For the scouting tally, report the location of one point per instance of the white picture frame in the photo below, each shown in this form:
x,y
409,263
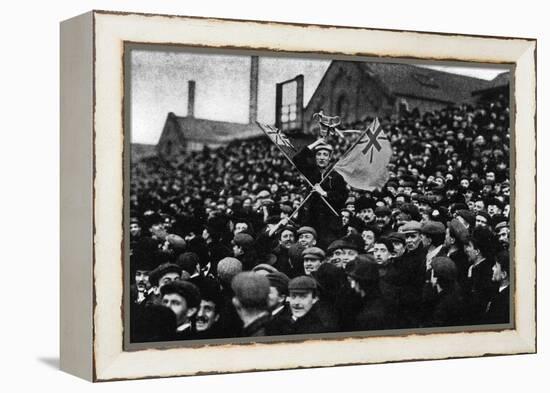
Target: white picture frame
x,y
92,194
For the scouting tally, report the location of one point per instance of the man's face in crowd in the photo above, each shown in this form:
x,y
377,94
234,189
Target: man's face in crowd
x,y
275,298
205,234
381,253
498,273
322,158
407,190
301,302
158,231
142,280
398,249
135,229
168,277
240,227
504,236
366,214
207,315
368,237
465,183
490,177
178,305
336,258
247,203
481,221
345,217
479,206
426,240
348,255
412,240
287,238
449,240
311,265
307,239
351,207
471,252
493,210
383,220
237,250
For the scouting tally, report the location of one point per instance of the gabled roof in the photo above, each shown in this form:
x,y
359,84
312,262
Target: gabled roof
x,y
205,130
410,80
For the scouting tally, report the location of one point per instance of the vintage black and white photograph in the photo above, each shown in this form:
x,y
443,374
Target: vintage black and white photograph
x,y
282,195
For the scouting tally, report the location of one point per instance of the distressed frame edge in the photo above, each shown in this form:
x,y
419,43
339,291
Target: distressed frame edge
x,y
526,338
76,206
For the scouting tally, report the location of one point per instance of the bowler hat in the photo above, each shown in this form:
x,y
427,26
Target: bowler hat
x,y
185,289
162,270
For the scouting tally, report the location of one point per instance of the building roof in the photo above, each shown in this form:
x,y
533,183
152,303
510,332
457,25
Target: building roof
x,y
500,81
205,130
414,81
142,150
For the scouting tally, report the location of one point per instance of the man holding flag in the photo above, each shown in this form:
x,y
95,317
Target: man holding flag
x,y
314,161
363,166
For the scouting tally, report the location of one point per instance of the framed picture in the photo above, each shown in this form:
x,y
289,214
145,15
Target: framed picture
x,y
243,195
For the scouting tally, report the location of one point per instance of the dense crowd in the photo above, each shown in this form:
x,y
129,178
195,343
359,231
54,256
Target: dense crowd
x,y
218,249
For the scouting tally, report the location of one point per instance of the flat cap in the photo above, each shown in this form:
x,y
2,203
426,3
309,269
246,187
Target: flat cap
x,y
280,281
251,289
177,242
458,230
228,268
396,237
313,252
311,230
432,228
468,216
323,146
500,225
264,267
243,240
302,284
185,289
410,226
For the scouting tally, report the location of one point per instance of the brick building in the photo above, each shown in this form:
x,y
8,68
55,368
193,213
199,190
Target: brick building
x,y
355,90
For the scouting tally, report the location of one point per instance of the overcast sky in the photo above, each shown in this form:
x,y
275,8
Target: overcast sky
x,y
159,81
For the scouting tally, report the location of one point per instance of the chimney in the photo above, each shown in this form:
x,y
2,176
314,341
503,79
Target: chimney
x,y
191,99
253,104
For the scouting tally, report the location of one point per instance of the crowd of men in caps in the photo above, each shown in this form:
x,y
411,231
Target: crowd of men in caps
x,y
216,251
